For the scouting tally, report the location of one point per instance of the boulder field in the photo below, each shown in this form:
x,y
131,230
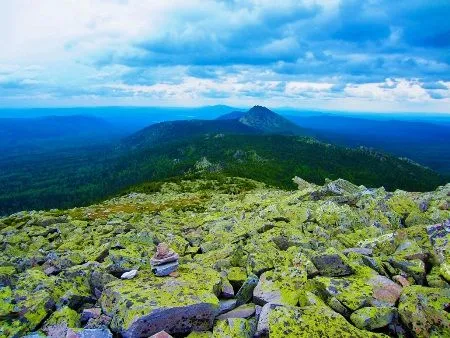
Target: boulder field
x,y
337,260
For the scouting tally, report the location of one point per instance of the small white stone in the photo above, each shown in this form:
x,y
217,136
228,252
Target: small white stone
x,y
129,274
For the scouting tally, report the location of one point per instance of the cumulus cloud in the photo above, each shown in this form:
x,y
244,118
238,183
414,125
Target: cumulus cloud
x,y
287,52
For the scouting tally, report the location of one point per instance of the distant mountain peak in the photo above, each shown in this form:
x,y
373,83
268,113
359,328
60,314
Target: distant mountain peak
x,y
264,119
259,108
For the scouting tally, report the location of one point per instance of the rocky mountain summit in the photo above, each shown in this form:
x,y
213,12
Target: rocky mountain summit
x,y
337,260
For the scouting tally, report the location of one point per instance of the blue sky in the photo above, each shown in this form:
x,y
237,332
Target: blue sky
x,y
364,55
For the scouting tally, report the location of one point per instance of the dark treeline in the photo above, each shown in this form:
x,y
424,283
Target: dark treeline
x,y
81,176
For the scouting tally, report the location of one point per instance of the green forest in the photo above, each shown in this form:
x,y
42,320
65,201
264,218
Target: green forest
x,y
76,177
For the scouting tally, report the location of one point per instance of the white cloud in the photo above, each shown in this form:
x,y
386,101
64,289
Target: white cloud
x,y
54,47
390,90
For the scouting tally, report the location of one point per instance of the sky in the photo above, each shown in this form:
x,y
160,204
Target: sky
x,y
356,55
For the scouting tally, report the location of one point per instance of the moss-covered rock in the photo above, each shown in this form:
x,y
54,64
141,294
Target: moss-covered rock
x,y
234,328
282,285
148,304
425,311
371,318
365,288
59,321
312,322
61,259
245,293
332,263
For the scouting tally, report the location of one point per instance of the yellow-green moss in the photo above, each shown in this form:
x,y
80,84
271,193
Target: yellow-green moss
x,y
234,328
66,316
312,322
127,300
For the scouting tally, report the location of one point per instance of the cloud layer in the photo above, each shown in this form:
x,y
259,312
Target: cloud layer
x,y
377,55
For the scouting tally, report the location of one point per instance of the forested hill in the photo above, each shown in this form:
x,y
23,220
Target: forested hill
x,y
22,136
79,178
257,120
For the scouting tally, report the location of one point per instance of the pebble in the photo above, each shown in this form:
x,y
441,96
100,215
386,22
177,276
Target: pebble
x,y
129,275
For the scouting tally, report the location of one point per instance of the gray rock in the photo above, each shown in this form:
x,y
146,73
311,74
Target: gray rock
x,y
169,259
89,333
226,305
165,269
161,334
342,187
227,289
362,251
332,265
245,293
98,323
414,268
90,313
243,311
424,205
262,329
438,236
265,292
258,309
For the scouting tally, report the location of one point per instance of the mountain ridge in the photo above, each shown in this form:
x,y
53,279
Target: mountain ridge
x,y
256,120
267,121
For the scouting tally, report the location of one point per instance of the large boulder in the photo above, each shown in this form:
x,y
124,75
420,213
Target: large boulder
x,y
364,288
424,311
147,304
282,285
60,321
312,321
371,318
332,263
25,307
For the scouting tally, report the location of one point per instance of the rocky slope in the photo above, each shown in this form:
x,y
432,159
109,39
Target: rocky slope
x,y
324,261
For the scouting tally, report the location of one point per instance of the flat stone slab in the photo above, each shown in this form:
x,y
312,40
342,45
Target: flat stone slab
x,y
243,311
226,305
165,260
165,269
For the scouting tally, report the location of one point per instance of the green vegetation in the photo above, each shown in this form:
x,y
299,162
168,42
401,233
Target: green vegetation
x,y
334,260
82,176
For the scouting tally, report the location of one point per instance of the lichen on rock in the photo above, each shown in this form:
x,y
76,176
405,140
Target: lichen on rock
x,y
332,260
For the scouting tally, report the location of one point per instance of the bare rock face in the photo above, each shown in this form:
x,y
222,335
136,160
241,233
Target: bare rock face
x,y
147,304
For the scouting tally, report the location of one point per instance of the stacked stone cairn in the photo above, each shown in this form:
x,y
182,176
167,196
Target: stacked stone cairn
x,y
164,261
